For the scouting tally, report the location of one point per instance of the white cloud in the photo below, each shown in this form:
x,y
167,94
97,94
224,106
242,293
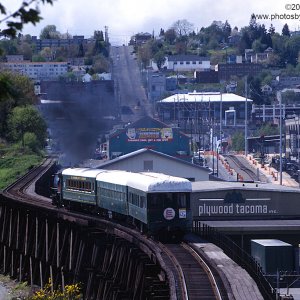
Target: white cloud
x,y
126,17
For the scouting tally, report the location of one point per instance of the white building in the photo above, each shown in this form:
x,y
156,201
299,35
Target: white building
x,y
37,70
184,63
187,63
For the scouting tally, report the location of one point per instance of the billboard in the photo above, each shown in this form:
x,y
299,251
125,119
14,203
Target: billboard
x,y
149,134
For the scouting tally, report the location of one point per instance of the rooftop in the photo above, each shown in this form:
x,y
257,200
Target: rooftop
x,y
205,97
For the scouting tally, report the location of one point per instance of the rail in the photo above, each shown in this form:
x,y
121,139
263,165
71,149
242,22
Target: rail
x,y
243,169
237,254
195,279
176,265
207,270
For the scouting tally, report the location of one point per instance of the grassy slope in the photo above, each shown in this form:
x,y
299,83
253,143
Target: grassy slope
x,y
15,163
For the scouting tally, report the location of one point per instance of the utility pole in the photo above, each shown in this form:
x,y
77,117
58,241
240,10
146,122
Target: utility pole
x,y
280,133
221,119
246,118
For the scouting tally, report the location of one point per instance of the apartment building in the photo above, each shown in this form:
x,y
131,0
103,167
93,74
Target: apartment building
x,y
37,70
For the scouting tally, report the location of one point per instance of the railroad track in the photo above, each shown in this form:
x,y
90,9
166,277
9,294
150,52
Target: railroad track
x,y
20,190
190,277
194,279
245,172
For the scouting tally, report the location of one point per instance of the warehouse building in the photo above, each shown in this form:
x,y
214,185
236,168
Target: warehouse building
x,y
147,160
205,108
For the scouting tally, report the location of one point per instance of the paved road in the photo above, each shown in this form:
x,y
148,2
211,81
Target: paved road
x,y
128,85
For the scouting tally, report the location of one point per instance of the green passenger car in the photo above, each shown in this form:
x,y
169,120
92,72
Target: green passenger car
x,y
79,186
112,192
160,202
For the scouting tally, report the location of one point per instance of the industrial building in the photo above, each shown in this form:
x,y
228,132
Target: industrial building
x,y
292,129
204,108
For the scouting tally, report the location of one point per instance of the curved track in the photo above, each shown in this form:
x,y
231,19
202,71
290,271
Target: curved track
x,y
189,276
194,278
22,189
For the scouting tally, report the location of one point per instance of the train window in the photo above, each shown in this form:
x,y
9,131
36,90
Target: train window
x,y
142,201
168,200
155,201
181,200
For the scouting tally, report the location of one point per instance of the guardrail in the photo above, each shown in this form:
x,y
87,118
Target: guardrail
x,y
238,255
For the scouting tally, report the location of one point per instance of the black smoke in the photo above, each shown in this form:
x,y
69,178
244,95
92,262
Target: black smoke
x,y
77,116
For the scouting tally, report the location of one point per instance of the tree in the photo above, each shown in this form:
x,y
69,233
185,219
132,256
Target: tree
x,y
161,32
271,30
23,15
98,35
226,30
286,30
183,27
15,89
144,55
292,50
255,90
170,36
267,129
100,64
159,58
50,32
238,141
24,120
80,51
245,42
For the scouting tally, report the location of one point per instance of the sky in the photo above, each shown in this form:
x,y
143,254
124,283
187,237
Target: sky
x,y
125,18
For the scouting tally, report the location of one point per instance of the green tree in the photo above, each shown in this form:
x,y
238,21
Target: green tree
x,y
238,141
100,64
24,120
267,129
80,51
15,89
9,47
28,12
170,36
49,32
30,141
286,30
159,58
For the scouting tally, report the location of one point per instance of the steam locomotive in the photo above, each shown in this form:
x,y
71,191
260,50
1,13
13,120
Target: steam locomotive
x,y
157,204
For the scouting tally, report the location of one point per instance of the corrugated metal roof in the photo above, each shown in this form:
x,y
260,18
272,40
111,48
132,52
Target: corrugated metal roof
x,y
204,97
